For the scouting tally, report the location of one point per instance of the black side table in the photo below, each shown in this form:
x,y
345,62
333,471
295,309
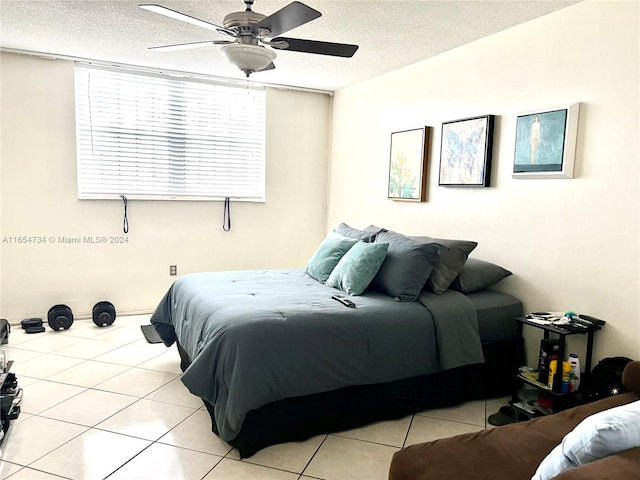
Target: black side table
x,y
558,399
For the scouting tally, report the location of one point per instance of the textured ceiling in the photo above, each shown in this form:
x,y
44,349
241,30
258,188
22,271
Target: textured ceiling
x,y
391,33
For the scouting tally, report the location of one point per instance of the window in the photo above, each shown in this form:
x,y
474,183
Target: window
x,y
153,136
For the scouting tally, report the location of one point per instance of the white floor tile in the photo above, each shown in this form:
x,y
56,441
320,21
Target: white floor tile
x,y
229,469
157,347
87,348
164,461
133,320
19,355
18,336
83,328
129,355
88,373
92,455
7,469
136,381
121,335
342,458
41,395
168,361
89,407
426,429
195,433
146,419
47,342
31,474
175,392
470,412
390,432
35,437
291,457
44,366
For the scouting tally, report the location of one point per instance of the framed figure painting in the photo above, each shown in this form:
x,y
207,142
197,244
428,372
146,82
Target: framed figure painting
x,y
545,143
408,165
465,152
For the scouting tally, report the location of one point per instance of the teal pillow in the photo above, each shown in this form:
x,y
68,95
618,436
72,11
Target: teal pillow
x,y
327,255
356,269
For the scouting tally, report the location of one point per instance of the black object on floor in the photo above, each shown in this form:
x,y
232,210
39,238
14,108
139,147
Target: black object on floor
x,y
150,334
505,415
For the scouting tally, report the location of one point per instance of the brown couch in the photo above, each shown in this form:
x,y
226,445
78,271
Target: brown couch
x,y
513,452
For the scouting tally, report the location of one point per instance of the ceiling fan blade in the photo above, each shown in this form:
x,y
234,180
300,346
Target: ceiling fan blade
x,y
271,66
288,18
313,46
167,12
186,46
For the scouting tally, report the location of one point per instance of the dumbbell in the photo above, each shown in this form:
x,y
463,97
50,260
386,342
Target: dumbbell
x,y
60,317
104,313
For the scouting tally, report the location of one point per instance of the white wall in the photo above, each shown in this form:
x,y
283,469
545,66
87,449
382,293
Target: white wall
x,y
572,244
39,198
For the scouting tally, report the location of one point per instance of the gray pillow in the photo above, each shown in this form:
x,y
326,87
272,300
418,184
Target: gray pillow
x,y
374,229
450,262
347,231
407,266
327,255
356,269
477,275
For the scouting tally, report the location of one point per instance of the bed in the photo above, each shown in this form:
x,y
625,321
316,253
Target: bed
x,y
275,358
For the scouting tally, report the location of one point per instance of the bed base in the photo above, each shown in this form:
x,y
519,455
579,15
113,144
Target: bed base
x,y
299,418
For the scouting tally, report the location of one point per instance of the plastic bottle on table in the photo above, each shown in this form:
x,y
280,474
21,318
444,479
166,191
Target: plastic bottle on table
x,y
574,382
553,364
566,376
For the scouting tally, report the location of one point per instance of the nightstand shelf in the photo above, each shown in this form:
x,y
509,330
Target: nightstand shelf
x,y
559,401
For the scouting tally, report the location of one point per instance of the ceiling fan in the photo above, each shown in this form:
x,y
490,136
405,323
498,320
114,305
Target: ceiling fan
x,y
252,31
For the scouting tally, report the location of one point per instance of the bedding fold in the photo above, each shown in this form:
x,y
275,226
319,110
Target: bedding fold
x,y
457,331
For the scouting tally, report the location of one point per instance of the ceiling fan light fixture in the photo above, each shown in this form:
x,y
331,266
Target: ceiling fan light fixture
x,y
248,58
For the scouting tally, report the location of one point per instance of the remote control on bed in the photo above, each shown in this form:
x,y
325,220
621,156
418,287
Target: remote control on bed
x,y
343,300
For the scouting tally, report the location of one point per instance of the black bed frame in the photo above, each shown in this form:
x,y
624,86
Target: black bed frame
x,y
299,418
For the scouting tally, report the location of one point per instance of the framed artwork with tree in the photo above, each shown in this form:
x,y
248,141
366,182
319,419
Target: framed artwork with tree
x,y
408,165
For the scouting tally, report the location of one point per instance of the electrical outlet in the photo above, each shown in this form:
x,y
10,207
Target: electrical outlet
x,y
173,270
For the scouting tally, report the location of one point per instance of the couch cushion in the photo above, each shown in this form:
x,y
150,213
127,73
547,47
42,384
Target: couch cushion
x,y
504,453
599,435
631,376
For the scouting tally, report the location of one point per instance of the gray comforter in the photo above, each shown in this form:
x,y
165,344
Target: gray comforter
x,y
255,337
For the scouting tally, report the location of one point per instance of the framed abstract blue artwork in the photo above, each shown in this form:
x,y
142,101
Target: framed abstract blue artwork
x,y
465,152
545,143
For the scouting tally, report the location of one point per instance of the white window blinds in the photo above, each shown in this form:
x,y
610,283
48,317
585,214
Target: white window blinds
x,y
152,136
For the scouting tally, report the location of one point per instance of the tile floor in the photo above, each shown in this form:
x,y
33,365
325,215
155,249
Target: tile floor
x,y
103,403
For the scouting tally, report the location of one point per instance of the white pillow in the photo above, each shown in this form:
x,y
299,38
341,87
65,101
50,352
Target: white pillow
x,y
553,464
603,434
597,436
